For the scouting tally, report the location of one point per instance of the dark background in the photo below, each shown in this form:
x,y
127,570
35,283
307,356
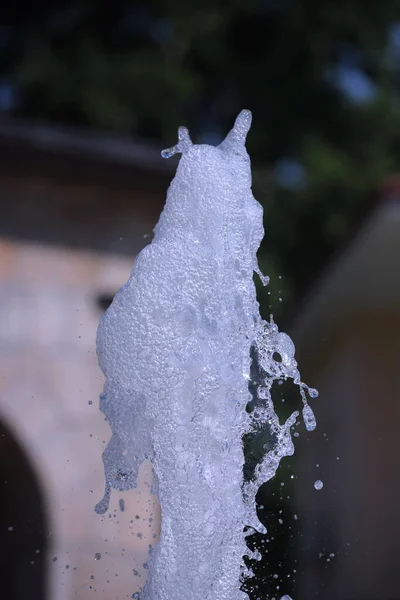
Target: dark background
x,y
321,77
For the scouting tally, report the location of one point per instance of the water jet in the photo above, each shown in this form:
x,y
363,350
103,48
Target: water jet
x,y
177,347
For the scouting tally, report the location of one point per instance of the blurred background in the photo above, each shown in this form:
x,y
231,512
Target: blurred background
x,y
90,91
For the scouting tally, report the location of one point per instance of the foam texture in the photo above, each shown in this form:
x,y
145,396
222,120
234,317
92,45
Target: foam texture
x,y
175,349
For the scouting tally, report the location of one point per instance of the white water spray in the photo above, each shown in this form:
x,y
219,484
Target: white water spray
x,y
175,349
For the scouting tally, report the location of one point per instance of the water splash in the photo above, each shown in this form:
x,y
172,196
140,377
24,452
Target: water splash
x,y
177,347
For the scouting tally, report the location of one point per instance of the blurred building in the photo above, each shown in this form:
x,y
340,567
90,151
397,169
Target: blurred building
x,y
75,209
348,345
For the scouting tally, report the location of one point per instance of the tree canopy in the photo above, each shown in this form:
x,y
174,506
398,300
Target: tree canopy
x,y
321,77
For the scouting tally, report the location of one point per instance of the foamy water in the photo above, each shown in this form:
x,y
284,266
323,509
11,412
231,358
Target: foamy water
x,y
175,349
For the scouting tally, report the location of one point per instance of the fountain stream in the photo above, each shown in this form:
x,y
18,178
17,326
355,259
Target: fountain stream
x,y
175,347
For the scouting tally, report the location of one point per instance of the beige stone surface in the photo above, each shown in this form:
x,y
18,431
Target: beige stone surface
x,y
353,451
49,388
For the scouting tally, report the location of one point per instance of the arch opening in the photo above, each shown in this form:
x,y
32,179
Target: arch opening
x,y
22,524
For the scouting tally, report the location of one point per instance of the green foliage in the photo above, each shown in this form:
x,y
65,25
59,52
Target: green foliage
x,y
146,67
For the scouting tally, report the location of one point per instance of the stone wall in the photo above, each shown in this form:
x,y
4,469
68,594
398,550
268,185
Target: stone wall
x,y
49,388
353,451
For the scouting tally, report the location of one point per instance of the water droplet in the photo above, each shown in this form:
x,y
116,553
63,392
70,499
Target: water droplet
x,y
183,133
168,152
309,418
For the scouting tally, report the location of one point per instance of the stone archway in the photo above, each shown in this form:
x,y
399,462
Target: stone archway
x,y
22,524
